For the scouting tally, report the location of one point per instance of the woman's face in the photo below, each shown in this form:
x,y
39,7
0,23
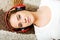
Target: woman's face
x,y
21,19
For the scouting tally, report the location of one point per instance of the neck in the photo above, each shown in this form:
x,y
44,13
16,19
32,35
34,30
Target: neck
x,y
36,18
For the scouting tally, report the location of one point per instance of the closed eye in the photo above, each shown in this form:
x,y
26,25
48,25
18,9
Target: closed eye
x,y
20,25
18,17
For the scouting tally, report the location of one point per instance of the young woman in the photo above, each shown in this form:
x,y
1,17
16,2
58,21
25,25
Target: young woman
x,y
45,20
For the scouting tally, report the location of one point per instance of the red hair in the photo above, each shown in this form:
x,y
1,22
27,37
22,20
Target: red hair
x,y
7,17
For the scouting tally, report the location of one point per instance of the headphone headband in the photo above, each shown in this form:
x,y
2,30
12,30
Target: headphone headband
x,y
18,7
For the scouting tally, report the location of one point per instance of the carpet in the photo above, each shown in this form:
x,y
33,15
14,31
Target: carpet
x,y
6,35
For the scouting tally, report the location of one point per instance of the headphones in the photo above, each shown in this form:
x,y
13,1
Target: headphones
x,y
17,8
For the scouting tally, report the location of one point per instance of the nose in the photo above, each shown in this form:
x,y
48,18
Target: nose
x,y
24,20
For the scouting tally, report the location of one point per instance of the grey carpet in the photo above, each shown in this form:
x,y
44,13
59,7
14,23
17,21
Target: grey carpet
x,y
5,35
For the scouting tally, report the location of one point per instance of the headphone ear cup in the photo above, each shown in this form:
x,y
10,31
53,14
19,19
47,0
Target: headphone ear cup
x,y
20,8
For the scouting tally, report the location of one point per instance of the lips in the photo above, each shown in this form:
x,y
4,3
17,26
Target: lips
x,y
28,20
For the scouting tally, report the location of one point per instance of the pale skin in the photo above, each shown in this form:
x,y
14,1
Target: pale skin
x,y
25,18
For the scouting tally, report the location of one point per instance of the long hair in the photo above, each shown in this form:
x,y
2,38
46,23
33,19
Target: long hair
x,y
8,25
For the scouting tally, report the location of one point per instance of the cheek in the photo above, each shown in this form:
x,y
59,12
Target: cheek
x,y
23,16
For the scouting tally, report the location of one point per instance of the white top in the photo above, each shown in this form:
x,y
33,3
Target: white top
x,y
52,29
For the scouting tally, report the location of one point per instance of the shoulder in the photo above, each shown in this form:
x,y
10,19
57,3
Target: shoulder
x,y
44,9
45,15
